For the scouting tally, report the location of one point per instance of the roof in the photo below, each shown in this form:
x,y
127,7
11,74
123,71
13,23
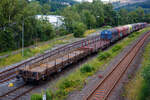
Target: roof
x,y
55,20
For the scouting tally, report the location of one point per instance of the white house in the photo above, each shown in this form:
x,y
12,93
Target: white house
x,y
55,20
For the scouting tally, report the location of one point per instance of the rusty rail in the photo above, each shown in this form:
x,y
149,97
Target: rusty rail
x,y
12,71
105,87
17,92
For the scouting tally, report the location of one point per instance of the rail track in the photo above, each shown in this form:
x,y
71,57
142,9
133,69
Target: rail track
x,y
11,72
17,92
105,87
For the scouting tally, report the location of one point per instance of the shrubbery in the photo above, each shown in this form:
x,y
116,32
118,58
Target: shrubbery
x,y
103,55
60,93
66,84
62,32
49,95
79,29
116,48
146,73
131,36
36,97
145,90
86,68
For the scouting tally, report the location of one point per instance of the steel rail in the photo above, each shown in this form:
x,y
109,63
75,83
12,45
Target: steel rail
x,y
67,47
12,91
108,88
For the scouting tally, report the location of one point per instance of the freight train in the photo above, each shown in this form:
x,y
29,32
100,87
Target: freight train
x,y
56,60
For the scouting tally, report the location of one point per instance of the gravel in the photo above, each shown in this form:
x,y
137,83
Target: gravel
x,y
118,92
93,80
76,95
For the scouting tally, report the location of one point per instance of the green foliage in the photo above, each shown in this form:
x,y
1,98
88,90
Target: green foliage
x,y
146,73
133,6
77,79
131,36
66,84
103,55
49,95
97,14
7,40
36,97
88,19
116,48
57,4
12,18
145,90
60,93
77,18
86,68
27,52
62,32
79,29
123,18
46,9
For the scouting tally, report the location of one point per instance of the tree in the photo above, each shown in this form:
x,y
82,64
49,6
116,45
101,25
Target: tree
x,y
147,18
88,19
133,17
7,40
98,11
79,29
140,14
123,17
13,13
109,15
46,9
70,17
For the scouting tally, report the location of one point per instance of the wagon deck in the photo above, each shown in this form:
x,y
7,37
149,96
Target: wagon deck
x,y
50,63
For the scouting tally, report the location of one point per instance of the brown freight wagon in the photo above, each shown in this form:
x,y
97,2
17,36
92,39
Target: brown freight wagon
x,y
60,58
42,69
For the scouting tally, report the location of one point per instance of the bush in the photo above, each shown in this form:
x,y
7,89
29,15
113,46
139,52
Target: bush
x,y
116,48
62,32
131,36
27,52
60,93
79,29
103,55
49,95
106,27
86,68
145,91
36,97
66,84
146,73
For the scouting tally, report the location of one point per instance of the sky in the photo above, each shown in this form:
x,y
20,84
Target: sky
x,y
91,0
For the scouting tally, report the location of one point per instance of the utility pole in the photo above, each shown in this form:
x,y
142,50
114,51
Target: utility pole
x,y
23,37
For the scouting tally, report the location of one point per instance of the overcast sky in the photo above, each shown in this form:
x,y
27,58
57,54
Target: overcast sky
x,y
91,0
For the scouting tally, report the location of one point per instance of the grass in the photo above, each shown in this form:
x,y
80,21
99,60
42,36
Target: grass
x,y
137,87
88,32
77,79
29,52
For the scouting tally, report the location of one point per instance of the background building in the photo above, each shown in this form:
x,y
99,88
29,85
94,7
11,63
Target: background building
x,y
55,20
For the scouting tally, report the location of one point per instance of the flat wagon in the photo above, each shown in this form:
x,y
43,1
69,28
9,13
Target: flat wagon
x,y
59,58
